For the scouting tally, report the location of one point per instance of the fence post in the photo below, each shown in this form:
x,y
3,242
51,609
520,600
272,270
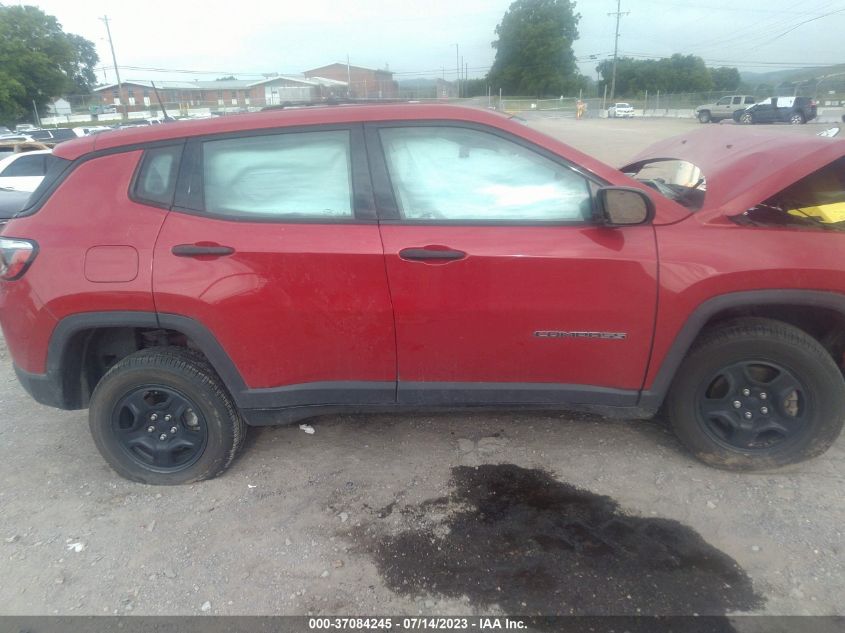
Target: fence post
x,y
645,103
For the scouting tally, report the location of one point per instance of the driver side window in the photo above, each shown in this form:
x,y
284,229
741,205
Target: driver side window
x,y
461,174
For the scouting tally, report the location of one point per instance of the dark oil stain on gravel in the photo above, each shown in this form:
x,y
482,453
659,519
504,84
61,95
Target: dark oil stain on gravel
x,y
519,539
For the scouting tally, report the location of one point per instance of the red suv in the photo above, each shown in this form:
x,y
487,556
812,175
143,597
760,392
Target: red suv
x,y
186,280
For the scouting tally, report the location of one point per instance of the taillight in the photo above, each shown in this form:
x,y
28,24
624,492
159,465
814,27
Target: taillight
x,y
15,257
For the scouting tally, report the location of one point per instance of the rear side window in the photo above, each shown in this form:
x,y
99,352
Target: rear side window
x,y
292,175
749,100
26,166
156,179
737,100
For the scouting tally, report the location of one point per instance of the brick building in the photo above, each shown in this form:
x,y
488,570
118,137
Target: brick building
x,y
230,93
364,83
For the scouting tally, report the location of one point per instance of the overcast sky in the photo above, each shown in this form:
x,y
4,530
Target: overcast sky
x,y
417,37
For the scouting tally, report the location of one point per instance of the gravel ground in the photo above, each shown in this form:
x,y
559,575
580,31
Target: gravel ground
x,y
432,514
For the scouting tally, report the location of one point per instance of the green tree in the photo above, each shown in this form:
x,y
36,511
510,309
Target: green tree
x,y
226,78
679,73
39,61
534,53
725,78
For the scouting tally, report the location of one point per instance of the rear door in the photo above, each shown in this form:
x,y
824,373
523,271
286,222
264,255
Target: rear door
x,y
273,246
766,111
504,290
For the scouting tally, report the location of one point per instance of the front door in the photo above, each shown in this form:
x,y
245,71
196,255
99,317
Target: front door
x,y
504,289
274,248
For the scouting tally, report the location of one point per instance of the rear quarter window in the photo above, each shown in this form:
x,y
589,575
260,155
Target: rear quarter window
x,y
156,179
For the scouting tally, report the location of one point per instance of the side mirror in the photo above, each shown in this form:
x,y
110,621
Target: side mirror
x,y
623,206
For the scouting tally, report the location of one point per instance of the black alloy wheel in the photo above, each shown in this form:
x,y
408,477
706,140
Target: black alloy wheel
x,y
753,405
755,393
160,428
163,416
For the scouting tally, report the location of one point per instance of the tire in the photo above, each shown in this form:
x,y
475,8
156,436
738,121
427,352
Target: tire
x,y
797,119
162,416
779,375
704,116
746,118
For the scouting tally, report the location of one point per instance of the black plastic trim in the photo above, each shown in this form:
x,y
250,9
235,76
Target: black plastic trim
x,y
421,254
653,397
45,389
509,393
340,393
196,250
291,415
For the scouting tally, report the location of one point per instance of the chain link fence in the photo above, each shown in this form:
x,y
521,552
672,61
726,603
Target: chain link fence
x,y
91,109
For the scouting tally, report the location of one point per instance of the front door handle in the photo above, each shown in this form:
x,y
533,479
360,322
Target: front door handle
x,y
431,253
201,250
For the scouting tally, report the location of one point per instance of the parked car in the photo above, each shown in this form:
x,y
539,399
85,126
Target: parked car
x,y
793,110
185,281
23,171
620,110
724,108
54,136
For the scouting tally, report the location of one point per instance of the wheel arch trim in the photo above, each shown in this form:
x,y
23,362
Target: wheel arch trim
x,y
60,340
652,397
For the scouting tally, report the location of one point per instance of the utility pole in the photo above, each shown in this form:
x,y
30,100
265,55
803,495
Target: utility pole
x,y
618,13
105,19
458,69
348,78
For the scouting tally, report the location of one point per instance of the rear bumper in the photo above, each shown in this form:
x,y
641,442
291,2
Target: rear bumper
x,y
45,389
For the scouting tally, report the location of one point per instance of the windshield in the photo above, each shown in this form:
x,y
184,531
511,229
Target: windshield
x,y
678,180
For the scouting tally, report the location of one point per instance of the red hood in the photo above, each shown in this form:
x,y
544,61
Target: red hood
x,y
744,167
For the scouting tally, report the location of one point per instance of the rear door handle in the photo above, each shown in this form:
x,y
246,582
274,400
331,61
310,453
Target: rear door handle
x,y
200,250
429,253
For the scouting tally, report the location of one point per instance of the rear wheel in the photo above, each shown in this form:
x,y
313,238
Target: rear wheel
x,y
756,394
704,116
162,416
797,119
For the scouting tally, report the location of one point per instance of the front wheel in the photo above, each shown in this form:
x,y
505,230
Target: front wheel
x,y
162,416
756,394
704,117
746,119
